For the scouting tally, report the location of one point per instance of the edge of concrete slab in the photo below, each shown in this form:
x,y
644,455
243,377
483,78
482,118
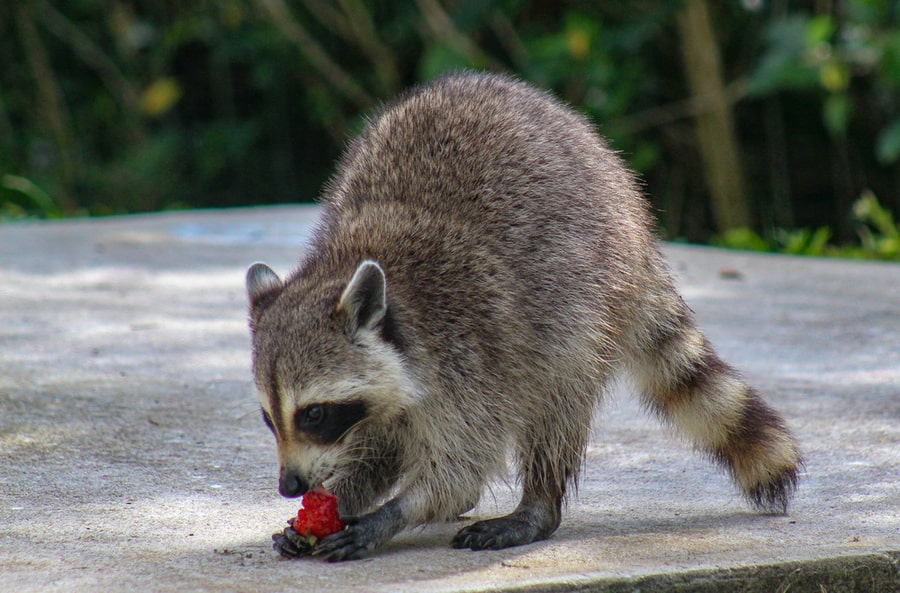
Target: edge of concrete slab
x,y
864,573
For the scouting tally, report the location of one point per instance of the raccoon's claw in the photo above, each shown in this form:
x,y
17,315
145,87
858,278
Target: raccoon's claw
x,y
290,544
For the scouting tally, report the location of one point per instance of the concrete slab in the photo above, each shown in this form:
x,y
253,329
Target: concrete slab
x,y
132,456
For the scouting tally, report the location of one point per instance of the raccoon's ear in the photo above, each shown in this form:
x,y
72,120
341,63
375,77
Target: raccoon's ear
x,y
262,284
364,302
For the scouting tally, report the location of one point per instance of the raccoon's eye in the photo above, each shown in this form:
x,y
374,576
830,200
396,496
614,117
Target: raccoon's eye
x,y
311,416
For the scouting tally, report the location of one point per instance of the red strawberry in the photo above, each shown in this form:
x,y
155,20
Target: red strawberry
x,y
318,515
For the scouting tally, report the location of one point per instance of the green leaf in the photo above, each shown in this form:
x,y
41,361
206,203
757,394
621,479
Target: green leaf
x,y
870,12
783,66
836,113
834,76
742,238
818,243
887,145
30,190
819,29
793,242
869,210
890,60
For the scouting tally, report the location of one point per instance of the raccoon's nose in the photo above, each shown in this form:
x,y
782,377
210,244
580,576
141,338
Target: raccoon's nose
x,y
291,485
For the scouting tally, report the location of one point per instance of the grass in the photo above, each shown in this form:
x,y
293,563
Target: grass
x,y
877,232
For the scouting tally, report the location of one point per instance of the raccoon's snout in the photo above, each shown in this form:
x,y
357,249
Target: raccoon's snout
x,y
292,485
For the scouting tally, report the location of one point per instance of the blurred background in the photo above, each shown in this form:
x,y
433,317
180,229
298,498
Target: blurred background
x,y
763,124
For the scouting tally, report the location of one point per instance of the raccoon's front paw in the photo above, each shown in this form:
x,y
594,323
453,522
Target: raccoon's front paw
x,y
361,535
355,541
291,544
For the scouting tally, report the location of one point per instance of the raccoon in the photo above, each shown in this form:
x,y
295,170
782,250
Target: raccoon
x,y
483,267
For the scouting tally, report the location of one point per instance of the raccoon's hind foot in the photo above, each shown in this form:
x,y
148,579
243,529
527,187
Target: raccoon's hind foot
x,y
524,525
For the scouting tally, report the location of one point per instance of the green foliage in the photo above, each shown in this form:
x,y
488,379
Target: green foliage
x,y
130,107
785,64
803,241
878,232
21,197
888,143
822,54
115,107
878,235
742,238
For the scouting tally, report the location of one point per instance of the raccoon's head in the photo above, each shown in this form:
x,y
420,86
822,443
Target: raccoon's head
x,y
329,375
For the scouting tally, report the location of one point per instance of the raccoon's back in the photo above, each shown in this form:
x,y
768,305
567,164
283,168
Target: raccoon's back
x,y
501,219
507,165
464,142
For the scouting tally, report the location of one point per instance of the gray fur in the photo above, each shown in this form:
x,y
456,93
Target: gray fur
x,y
364,300
516,272
261,279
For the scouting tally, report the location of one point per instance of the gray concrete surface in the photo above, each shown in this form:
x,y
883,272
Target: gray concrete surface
x,y
133,458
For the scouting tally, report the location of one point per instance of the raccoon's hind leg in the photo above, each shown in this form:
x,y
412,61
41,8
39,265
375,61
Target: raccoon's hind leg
x,y
682,378
549,456
535,518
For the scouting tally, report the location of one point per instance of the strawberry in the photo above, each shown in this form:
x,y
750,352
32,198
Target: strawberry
x,y
318,515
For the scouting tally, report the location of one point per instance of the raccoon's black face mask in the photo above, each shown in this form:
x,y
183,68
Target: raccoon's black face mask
x,y
326,423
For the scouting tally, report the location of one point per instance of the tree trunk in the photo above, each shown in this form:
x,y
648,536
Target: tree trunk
x,y
716,138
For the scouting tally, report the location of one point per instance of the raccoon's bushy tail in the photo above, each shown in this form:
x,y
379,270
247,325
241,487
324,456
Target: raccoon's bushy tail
x,y
682,378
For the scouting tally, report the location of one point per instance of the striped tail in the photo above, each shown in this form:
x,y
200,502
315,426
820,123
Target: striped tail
x,y
682,378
